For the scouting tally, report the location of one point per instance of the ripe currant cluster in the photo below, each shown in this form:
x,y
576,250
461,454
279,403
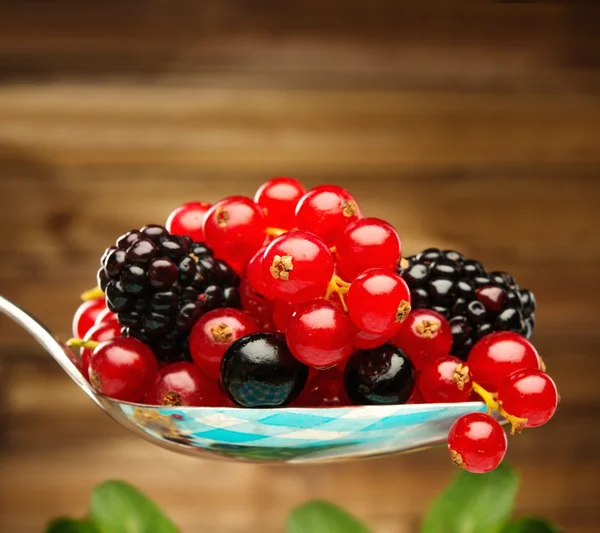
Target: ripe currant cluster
x,y
294,298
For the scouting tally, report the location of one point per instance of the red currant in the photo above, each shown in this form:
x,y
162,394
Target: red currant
x,y
326,211
446,379
425,335
477,443
235,229
86,315
378,300
278,198
106,316
97,333
297,267
529,394
364,340
326,389
184,384
123,368
254,274
367,243
416,397
496,356
214,333
320,334
282,312
257,306
188,220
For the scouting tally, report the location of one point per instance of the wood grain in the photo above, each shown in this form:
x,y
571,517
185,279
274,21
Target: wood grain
x,y
467,124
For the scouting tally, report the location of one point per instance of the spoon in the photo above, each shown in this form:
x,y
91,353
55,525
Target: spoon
x,y
284,435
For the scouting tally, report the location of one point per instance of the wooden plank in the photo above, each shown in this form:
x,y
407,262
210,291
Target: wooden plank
x,y
240,130
464,44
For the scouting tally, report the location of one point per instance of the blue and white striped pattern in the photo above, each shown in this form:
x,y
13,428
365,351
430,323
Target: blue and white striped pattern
x,y
301,434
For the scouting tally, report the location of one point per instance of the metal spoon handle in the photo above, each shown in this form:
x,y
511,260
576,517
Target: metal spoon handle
x,y
58,350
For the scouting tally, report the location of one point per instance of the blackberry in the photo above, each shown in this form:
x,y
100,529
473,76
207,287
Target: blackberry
x,y
160,284
476,302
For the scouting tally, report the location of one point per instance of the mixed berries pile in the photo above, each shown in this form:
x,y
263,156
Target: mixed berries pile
x,y
293,298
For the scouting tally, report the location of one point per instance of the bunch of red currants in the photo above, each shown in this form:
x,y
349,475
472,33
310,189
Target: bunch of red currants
x,y
294,298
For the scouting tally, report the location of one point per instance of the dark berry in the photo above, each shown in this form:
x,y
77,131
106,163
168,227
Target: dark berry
x,y
102,278
442,292
417,275
258,370
476,312
429,256
116,297
472,269
461,329
444,268
528,302
154,232
126,240
419,298
454,256
160,284
134,279
493,298
444,311
453,286
162,273
509,320
383,375
483,330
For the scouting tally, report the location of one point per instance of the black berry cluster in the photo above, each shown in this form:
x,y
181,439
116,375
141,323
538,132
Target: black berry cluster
x,y
476,302
160,284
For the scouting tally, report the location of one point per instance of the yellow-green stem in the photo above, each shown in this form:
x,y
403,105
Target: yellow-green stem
x,y
516,423
80,343
92,294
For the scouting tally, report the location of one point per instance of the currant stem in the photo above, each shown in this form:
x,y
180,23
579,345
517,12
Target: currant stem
x,y
92,294
340,287
80,343
516,423
275,232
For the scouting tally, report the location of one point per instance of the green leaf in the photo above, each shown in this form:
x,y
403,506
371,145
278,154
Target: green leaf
x,y
474,503
68,525
117,507
322,517
529,525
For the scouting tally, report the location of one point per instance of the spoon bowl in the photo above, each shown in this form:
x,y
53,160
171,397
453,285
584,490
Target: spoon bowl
x,y
283,435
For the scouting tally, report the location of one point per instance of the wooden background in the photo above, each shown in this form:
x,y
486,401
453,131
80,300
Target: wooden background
x,y
468,124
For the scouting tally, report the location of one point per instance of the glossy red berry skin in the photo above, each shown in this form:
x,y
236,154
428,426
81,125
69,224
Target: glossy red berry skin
x,y
297,267
378,300
445,380
188,220
326,211
184,384
123,368
214,333
278,198
106,316
498,355
367,243
477,443
258,307
254,274
529,394
425,335
234,229
97,333
325,389
282,312
86,315
364,340
320,334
